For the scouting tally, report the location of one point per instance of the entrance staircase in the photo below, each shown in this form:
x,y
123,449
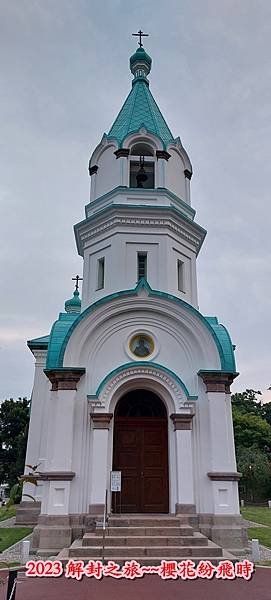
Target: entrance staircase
x,y
147,540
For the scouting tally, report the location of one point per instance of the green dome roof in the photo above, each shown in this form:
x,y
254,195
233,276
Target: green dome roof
x,y
140,109
74,304
140,55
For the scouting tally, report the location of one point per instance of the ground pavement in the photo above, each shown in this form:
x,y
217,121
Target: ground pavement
x,y
151,586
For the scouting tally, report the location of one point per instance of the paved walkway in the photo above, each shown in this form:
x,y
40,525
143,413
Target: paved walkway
x,y
259,588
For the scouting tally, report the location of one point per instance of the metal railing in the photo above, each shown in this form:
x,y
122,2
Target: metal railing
x,y
105,521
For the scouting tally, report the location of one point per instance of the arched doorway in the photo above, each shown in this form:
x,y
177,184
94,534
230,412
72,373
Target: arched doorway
x,y
140,452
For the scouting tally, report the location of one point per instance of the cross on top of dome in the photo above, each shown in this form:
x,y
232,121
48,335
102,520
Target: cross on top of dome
x,y
140,34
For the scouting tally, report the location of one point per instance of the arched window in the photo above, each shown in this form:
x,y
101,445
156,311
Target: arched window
x,y
142,166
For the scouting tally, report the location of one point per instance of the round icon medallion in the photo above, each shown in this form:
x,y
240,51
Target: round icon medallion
x,y
141,345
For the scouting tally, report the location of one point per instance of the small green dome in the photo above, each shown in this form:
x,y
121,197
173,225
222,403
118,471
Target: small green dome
x,y
74,304
140,60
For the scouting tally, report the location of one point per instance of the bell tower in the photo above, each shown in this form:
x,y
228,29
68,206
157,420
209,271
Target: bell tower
x,y
139,221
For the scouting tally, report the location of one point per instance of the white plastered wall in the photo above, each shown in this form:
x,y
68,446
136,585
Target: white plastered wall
x,y
183,345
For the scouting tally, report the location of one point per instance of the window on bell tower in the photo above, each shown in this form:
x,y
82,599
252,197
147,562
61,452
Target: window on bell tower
x,y
141,265
142,167
180,275
100,274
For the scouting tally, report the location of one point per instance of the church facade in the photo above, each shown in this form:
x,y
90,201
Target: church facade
x,y
132,377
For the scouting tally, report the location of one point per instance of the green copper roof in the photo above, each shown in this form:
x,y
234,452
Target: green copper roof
x,y
64,327
140,109
74,304
39,342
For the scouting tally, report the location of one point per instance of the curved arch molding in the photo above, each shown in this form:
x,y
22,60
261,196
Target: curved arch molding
x,y
66,324
145,369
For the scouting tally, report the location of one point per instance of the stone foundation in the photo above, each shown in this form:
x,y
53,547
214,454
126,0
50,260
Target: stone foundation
x,y
28,513
227,531
54,532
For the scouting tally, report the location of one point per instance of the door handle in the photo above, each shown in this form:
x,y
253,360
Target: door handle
x,y
141,474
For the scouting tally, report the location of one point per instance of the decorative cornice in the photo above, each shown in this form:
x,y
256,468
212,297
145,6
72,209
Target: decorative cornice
x,y
64,379
56,476
133,221
101,420
40,355
217,381
224,476
152,193
93,170
188,174
162,154
122,152
182,420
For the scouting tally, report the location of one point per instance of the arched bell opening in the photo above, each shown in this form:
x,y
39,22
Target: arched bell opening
x,y
142,169
140,452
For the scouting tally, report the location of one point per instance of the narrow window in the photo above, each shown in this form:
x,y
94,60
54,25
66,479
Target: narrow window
x,y
180,275
141,265
100,283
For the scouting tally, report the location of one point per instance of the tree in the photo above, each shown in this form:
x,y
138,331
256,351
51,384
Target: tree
x,y
266,412
255,467
251,430
247,402
14,420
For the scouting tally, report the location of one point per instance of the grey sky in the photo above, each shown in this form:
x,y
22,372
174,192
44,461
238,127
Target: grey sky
x,y
63,77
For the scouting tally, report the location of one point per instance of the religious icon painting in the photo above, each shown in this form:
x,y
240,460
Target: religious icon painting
x,y
141,345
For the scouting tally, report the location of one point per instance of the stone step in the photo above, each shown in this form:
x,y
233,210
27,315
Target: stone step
x,y
114,552
159,521
64,556
92,539
156,560
151,531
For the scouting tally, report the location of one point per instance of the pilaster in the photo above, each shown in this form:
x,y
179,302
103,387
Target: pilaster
x,y
100,424
222,474
182,424
58,472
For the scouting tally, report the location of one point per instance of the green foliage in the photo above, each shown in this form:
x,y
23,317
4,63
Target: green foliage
x,y
263,534
251,430
14,420
7,513
255,467
258,514
266,412
252,434
11,535
247,402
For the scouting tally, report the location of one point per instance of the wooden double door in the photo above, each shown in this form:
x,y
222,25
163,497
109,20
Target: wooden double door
x,y
141,454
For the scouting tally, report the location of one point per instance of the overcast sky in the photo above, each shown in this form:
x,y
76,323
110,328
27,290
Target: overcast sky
x,y
63,77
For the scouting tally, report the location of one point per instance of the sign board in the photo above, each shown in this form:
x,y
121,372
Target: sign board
x,y
115,481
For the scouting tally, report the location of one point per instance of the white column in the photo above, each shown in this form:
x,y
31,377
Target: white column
x,y
57,474
188,176
93,174
222,474
122,156
35,446
182,423
160,173
99,470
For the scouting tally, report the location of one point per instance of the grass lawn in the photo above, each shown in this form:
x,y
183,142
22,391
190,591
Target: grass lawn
x,y
258,514
11,535
263,534
6,513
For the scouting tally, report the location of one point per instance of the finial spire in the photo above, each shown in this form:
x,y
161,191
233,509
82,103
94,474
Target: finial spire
x,y
77,278
73,305
140,34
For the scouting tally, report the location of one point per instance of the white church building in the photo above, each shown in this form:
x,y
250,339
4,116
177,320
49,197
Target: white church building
x,y
132,377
